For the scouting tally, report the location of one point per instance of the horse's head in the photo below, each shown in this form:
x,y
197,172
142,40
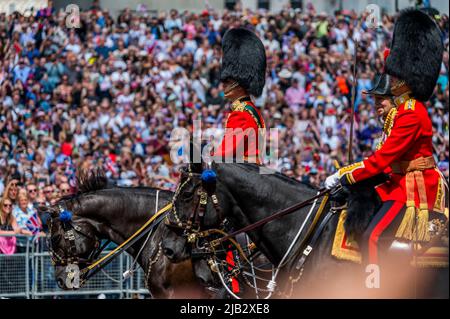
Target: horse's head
x,y
74,240
198,205
73,243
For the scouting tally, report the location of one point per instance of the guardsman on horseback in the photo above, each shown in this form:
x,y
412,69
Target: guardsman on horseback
x,y
415,187
243,74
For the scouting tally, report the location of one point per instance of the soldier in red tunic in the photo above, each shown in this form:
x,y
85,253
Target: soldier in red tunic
x,y
243,74
415,187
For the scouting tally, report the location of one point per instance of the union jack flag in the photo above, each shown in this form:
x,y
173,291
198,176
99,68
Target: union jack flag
x,y
110,166
33,224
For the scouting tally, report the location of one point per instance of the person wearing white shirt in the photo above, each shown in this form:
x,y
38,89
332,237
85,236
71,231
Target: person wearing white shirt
x,y
121,76
270,43
203,50
330,139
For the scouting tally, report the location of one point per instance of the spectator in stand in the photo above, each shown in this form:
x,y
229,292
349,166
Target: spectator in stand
x,y
330,139
64,189
8,226
295,96
32,192
11,191
26,216
48,194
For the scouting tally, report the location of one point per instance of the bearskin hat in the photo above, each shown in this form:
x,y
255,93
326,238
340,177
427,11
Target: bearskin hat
x,y
244,60
416,52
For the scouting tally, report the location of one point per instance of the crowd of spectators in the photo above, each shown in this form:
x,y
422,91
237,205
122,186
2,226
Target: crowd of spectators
x,y
109,93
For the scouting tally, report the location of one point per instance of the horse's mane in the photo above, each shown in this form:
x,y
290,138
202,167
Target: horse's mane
x,y
87,181
91,180
96,180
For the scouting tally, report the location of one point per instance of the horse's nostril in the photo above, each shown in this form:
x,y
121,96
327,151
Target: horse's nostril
x,y
168,252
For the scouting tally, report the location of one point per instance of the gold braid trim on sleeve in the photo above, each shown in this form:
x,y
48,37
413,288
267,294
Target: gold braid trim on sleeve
x,y
349,169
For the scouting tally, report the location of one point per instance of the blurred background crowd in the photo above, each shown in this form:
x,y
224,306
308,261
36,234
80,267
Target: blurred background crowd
x,y
109,94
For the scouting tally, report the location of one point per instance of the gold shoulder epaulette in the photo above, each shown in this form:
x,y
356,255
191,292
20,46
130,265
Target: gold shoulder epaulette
x,y
238,106
410,105
402,99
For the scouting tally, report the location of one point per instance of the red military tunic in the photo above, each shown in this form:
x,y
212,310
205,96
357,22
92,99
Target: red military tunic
x,y
244,133
409,139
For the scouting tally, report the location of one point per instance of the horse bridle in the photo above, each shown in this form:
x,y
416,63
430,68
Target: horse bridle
x,y
191,228
72,257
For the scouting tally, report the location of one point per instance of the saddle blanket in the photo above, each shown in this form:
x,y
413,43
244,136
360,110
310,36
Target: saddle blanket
x,y
346,248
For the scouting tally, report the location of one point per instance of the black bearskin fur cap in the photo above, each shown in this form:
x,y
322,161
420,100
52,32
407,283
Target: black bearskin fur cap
x,y
416,52
244,60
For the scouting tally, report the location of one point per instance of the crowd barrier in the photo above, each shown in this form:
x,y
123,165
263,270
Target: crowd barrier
x,y
29,273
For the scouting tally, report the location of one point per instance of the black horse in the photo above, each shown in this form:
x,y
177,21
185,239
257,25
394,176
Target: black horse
x,y
103,213
245,196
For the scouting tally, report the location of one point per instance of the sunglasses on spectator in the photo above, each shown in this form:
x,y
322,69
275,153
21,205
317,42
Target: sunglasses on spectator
x,y
65,190
7,205
32,190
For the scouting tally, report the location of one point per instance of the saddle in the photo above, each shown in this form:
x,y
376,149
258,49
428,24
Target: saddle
x,y
432,255
353,221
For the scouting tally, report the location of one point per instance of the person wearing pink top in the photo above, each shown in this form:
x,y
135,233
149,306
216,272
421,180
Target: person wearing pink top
x,y
295,96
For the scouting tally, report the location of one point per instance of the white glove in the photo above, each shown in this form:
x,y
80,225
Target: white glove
x,y
332,181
